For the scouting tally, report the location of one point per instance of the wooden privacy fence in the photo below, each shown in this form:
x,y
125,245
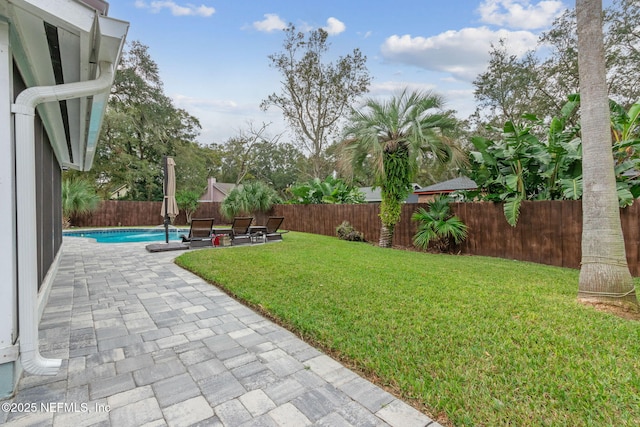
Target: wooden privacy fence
x,y
548,232
115,213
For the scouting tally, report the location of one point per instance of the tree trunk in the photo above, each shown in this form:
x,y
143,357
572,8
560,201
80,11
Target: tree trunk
x,y
604,274
386,236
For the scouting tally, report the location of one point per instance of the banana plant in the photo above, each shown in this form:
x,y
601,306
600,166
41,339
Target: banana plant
x,y
625,127
329,191
521,167
510,169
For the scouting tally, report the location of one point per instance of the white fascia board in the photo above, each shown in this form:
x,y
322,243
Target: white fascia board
x,y
109,42
61,13
111,36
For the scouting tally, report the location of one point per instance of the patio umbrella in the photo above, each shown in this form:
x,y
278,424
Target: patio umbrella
x,y
169,204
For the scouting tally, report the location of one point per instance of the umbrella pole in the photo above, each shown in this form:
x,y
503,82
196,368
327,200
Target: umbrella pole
x,y
166,202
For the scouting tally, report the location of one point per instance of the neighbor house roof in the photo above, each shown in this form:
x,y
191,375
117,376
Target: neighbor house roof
x,y
224,187
217,191
373,195
460,183
59,42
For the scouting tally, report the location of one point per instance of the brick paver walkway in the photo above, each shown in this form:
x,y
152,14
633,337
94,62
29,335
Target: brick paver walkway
x,y
144,342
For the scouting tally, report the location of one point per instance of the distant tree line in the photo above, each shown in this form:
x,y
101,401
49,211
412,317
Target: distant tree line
x,y
142,125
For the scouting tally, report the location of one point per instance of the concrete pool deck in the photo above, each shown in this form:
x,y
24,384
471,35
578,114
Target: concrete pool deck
x,y
144,342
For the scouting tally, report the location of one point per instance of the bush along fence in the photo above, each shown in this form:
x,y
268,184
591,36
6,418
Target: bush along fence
x,y
548,232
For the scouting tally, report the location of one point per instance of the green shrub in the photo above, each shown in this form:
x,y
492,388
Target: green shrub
x,y
439,226
345,231
251,198
78,198
188,202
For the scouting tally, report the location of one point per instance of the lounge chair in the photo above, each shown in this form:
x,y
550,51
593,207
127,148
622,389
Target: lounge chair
x,y
272,225
240,230
200,232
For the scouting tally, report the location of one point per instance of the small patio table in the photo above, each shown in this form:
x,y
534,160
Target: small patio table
x,y
258,232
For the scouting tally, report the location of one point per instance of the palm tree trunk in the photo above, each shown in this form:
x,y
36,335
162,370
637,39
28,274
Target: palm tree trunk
x,y
386,236
604,273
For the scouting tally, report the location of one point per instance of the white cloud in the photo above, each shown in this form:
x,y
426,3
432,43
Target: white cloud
x,y
459,98
156,6
187,102
365,35
463,54
270,23
520,13
393,87
222,119
334,26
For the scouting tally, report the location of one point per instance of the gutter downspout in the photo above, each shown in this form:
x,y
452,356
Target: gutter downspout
x,y
27,238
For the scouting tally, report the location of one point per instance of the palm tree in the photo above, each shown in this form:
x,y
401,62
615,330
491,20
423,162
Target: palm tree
x,y
78,197
439,226
604,274
391,136
252,198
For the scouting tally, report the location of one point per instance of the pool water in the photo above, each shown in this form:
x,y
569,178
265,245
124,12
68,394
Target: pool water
x,y
128,235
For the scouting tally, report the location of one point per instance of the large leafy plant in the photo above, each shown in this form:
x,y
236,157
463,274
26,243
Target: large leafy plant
x,y
330,191
625,127
520,166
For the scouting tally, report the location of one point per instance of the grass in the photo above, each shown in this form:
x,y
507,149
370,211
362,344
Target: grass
x,y
473,341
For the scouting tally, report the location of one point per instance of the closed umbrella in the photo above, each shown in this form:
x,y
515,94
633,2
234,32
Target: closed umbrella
x,y
169,204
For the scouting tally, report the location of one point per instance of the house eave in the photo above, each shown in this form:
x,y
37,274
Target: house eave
x,y
60,42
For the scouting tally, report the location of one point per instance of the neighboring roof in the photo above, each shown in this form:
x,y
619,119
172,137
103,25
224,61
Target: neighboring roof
x,y
124,188
214,187
460,183
225,187
59,42
412,198
372,195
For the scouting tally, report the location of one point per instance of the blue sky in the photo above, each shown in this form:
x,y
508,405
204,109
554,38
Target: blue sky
x,y
213,54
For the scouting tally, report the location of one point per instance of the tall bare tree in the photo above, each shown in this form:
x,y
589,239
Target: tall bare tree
x,y
604,273
315,93
247,140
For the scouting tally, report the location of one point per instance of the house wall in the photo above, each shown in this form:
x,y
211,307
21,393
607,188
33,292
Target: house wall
x,y
426,198
8,266
49,201
48,193
213,195
49,215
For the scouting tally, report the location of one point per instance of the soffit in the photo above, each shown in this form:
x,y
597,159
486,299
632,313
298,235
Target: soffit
x,y
61,41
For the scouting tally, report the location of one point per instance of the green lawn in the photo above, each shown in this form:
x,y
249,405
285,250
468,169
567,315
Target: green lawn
x,y
474,340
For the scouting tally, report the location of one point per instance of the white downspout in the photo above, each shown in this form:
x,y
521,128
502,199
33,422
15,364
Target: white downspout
x,y
27,238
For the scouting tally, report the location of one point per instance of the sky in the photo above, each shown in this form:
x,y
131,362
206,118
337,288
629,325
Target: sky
x,y
213,54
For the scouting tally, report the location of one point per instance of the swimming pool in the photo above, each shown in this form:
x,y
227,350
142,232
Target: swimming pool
x,y
128,235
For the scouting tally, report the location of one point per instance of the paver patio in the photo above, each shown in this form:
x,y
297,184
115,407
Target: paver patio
x,y
145,342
